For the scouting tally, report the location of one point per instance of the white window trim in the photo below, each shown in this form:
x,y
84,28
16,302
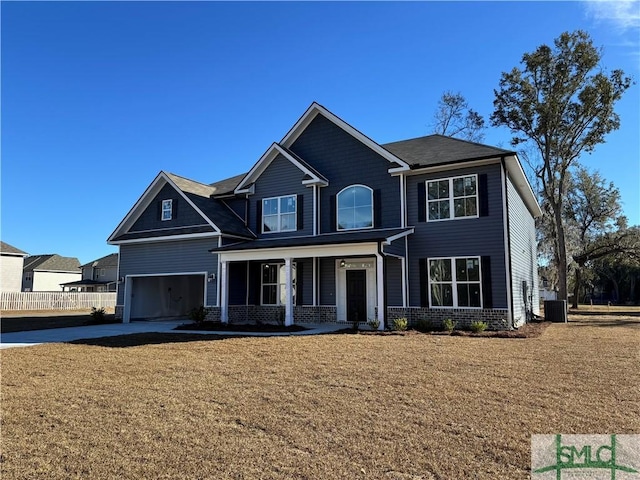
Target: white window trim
x,y
281,282
454,282
167,206
295,214
338,229
451,198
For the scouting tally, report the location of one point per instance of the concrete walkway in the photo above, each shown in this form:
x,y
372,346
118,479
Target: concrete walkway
x,y
53,335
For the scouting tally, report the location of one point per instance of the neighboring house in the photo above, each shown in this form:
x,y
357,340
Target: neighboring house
x,y
47,273
11,264
100,275
329,225
546,292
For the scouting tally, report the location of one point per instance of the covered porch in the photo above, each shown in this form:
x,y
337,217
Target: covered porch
x,y
325,278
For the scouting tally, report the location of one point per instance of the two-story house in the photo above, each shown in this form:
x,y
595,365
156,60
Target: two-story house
x,y
99,275
330,226
47,273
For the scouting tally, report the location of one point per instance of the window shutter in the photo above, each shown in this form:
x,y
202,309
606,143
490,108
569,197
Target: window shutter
x,y
483,195
174,208
299,283
300,210
332,214
159,210
255,283
422,202
258,217
424,283
377,208
487,294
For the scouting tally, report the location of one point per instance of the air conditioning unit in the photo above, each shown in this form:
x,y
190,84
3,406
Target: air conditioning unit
x,y
555,311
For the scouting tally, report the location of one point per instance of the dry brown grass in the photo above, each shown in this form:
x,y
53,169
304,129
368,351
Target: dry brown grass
x,y
333,406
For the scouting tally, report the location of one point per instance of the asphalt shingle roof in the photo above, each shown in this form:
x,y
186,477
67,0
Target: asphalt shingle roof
x,y
439,149
227,186
110,260
214,209
10,249
51,262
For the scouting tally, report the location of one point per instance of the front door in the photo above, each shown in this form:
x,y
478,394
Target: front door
x,y
356,296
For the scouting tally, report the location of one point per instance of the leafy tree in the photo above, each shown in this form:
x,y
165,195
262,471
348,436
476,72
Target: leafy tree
x,y
454,118
561,103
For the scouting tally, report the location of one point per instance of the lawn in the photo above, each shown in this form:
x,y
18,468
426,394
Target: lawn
x,y
321,407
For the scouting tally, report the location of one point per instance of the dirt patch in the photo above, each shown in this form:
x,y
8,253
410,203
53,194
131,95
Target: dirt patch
x,y
326,406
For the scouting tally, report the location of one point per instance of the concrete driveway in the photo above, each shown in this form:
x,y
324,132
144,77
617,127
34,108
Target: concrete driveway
x,y
53,335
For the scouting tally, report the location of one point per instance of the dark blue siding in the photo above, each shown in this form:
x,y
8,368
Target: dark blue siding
x,y
483,236
327,281
345,161
280,178
394,281
185,216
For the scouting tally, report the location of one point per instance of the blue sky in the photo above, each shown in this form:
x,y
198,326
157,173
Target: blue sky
x,y
98,97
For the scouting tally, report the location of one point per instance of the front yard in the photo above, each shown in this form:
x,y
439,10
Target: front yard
x,y
331,406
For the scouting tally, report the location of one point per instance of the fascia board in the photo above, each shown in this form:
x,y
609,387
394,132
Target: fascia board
x,y
167,238
522,184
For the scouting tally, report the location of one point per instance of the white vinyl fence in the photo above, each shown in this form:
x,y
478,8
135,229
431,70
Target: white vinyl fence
x,y
55,300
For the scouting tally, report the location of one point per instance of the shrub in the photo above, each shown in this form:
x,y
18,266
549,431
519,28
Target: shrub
x,y
424,325
198,315
449,325
478,326
97,315
400,324
374,324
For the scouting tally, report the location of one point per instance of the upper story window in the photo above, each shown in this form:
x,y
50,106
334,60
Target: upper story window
x,y
355,208
455,282
167,209
279,214
455,197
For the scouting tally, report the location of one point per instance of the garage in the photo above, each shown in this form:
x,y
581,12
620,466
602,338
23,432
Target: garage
x,y
164,296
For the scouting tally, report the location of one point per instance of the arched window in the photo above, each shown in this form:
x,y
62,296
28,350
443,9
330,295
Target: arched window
x,y
355,208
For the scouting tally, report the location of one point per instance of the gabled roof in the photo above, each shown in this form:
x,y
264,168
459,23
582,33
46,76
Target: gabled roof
x,y
317,109
107,261
312,176
214,212
7,249
439,150
51,262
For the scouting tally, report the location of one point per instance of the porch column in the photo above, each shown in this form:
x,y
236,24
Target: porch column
x,y
380,289
224,292
288,309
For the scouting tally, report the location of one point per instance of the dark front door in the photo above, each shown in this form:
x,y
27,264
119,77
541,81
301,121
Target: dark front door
x,y
356,295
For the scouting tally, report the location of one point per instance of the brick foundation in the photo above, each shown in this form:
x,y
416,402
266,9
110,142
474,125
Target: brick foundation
x,y
496,319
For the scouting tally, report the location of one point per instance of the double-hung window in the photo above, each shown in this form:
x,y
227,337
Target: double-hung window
x,y
279,214
273,284
451,198
355,208
455,282
167,209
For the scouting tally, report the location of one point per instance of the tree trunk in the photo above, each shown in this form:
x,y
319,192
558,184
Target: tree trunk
x,y
576,287
560,254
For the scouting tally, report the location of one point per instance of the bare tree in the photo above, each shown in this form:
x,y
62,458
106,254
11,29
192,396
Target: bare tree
x,y
454,118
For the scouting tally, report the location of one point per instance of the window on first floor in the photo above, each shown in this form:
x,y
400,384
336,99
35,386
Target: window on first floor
x,y
455,282
355,208
451,198
273,291
279,214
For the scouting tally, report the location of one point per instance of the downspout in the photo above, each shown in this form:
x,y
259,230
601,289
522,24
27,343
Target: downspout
x,y
380,254
507,240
